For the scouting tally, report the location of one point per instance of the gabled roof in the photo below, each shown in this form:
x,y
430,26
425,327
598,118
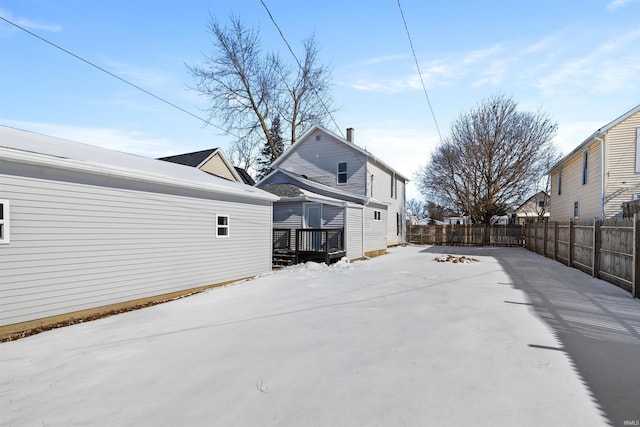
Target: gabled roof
x,y
26,147
598,133
198,159
195,159
351,145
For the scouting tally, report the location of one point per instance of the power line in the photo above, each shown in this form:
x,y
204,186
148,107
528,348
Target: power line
x,y
300,65
419,72
116,76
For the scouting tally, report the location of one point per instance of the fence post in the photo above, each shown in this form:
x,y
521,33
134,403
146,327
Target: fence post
x,y
535,237
635,270
556,235
595,262
545,230
571,237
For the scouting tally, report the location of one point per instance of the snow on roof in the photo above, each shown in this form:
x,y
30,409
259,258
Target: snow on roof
x,y
33,148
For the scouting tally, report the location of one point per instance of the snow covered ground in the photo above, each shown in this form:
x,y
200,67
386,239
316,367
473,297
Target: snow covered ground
x,y
396,340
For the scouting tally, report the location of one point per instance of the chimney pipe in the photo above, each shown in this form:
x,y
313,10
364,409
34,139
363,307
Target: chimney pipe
x,y
350,134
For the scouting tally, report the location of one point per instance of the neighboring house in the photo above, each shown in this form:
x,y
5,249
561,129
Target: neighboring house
x,y
84,230
325,181
214,162
600,174
535,208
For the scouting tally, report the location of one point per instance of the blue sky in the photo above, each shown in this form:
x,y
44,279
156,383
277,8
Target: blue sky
x,y
578,61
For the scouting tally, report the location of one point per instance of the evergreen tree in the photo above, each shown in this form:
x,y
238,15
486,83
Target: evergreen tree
x,y
266,153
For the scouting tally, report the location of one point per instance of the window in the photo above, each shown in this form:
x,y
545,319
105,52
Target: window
x,y
576,211
4,221
222,225
394,186
371,185
585,165
377,215
560,182
342,173
398,224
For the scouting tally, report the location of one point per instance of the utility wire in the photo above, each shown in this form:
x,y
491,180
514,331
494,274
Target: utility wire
x,y
300,65
419,72
116,76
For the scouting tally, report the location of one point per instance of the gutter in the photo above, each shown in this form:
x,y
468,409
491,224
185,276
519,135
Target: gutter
x,y
603,188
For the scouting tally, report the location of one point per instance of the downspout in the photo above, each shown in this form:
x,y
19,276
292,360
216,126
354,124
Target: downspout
x,y
602,178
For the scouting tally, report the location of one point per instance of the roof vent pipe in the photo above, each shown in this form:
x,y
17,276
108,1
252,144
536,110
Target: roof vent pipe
x,y
350,134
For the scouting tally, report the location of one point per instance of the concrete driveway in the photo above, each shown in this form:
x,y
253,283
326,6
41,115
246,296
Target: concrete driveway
x,y
400,340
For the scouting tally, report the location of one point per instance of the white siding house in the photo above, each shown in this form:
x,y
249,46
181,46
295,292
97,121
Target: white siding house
x,y
372,193
90,229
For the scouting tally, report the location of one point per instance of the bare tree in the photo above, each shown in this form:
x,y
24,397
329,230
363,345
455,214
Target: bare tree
x,y
494,158
415,208
308,99
247,88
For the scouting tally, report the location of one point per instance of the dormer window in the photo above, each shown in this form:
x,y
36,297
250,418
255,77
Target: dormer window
x,y
342,173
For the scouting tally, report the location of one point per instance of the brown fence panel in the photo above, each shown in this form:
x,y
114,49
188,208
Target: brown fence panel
x,y
582,256
616,252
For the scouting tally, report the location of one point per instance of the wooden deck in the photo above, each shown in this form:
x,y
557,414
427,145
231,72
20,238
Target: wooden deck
x,y
293,246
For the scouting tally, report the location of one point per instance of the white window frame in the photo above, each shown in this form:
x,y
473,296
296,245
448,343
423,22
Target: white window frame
x,y
576,209
377,215
345,173
220,227
4,222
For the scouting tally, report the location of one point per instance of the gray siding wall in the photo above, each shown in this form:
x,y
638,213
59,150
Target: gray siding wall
x,y
353,233
318,160
76,246
332,216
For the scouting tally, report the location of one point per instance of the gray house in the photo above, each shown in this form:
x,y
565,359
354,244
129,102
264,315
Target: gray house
x,y
86,230
336,198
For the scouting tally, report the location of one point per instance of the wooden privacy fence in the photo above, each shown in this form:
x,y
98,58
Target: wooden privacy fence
x,y
465,235
606,249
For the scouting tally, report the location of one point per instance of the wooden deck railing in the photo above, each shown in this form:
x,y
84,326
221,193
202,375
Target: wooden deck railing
x,y
318,244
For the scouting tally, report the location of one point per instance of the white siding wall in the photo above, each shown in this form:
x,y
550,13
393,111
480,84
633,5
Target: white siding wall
x,y
78,246
353,233
375,230
382,191
318,160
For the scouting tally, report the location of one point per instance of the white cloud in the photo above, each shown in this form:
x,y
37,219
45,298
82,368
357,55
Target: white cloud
x,y
617,4
31,24
606,68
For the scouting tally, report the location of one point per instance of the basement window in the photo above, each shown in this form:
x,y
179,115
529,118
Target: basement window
x,y
4,221
222,225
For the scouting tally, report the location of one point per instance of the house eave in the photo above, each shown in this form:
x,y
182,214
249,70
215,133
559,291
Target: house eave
x,y
94,168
